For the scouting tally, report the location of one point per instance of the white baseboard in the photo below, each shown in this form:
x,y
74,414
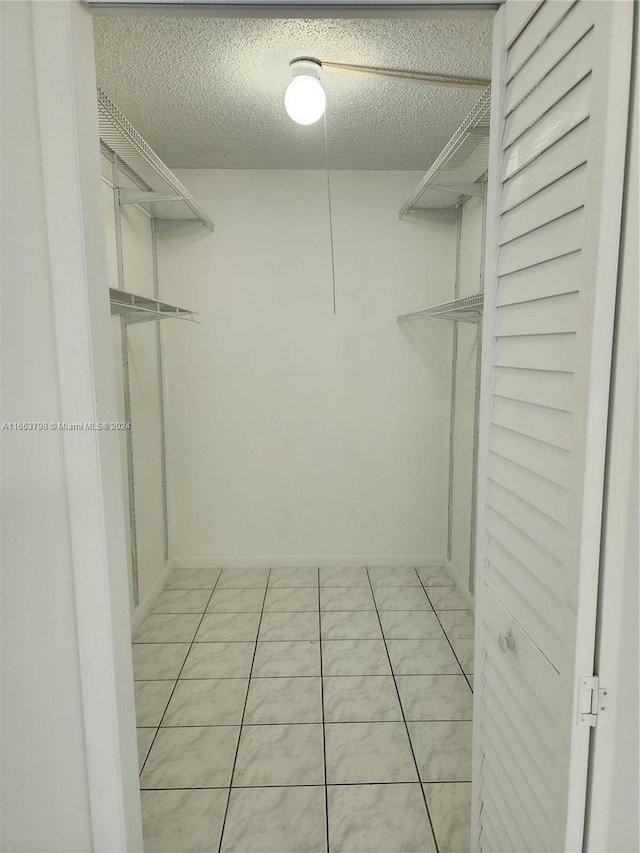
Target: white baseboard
x,y
463,585
306,560
146,604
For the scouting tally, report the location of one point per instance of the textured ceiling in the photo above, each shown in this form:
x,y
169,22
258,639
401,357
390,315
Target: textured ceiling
x,y
207,92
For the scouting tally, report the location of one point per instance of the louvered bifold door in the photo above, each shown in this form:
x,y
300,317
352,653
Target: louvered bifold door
x,y
560,94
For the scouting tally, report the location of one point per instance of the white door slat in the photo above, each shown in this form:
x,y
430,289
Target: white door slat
x,y
561,158
538,352
538,491
548,425
510,756
506,843
518,16
568,33
506,708
543,24
537,526
550,278
553,390
524,610
552,315
488,839
511,810
533,834
543,459
557,122
552,89
561,197
540,563
545,243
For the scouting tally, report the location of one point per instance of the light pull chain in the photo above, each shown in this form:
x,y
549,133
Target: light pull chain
x,y
333,263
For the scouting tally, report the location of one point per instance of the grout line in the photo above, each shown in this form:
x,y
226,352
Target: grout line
x,y
308,785
466,677
415,760
324,731
144,764
244,710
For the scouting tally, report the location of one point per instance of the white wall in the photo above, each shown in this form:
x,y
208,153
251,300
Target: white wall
x,y
295,435
470,272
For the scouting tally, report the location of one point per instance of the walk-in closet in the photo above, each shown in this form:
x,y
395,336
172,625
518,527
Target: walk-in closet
x,y
321,471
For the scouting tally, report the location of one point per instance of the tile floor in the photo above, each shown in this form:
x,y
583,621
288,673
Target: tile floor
x,y
305,711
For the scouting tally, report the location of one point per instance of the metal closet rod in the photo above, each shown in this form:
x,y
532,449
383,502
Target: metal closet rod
x,y
404,74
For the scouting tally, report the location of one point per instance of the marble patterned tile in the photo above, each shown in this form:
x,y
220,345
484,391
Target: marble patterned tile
x,y
183,820
450,809
355,657
158,661
193,757
351,576
287,600
442,750
243,579
368,752
181,601
167,628
282,659
410,625
280,755
435,576
289,626
284,700
457,624
361,698
378,819
350,625
236,601
228,627
447,598
193,579
401,598
219,660
151,701
145,738
393,576
422,657
291,577
275,820
346,598
207,702
435,697
464,653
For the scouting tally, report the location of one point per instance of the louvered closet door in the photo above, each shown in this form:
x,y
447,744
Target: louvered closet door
x,y
559,114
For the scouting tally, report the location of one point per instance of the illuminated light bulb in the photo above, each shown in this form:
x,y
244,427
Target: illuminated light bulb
x,y
305,100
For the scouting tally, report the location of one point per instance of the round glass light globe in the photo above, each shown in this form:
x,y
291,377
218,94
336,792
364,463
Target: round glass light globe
x,y
305,100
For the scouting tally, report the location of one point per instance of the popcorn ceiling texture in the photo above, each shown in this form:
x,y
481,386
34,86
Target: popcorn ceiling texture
x,y
208,92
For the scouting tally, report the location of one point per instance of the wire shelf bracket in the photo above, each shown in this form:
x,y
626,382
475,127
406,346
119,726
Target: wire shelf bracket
x,y
466,309
457,172
149,179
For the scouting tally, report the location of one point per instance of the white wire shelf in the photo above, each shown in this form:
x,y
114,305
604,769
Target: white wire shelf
x,y
142,309
466,309
149,181
457,173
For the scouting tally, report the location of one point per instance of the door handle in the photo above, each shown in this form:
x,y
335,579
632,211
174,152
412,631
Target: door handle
x,y
507,642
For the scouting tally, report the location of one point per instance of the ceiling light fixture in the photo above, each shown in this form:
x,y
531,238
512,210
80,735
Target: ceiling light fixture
x,y
305,100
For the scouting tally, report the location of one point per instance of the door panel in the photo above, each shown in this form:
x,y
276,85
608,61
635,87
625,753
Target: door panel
x,y
559,113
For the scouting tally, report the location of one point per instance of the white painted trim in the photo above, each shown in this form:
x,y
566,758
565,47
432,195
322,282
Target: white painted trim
x,y
462,586
143,609
67,114
251,561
